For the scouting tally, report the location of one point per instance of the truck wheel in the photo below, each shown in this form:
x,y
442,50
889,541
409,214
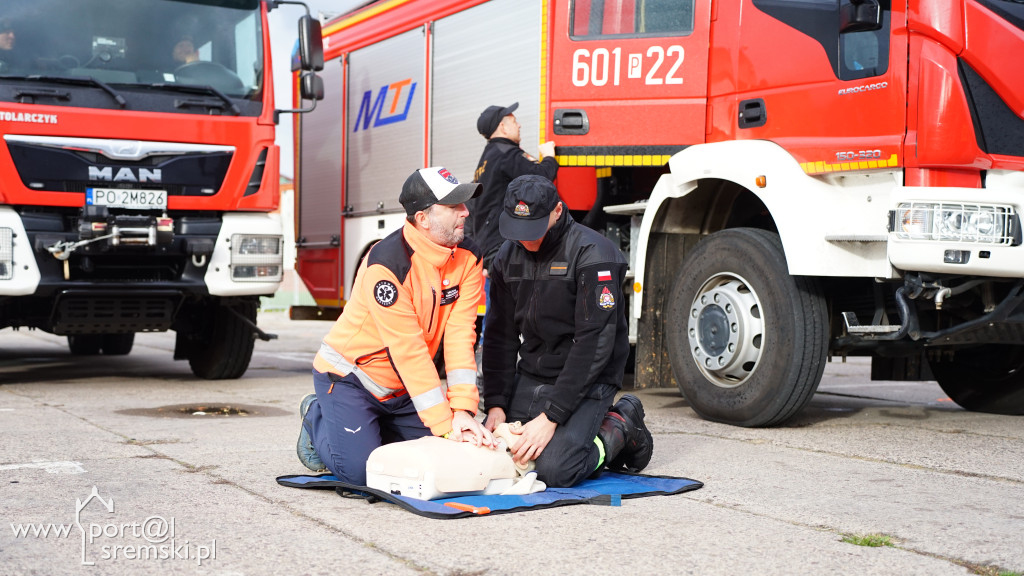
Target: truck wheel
x,y
85,344
227,351
988,378
747,341
118,344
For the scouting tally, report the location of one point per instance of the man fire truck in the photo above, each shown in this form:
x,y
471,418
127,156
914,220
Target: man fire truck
x,y
792,179
137,188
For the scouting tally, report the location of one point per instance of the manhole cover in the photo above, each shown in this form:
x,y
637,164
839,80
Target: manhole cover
x,y
210,410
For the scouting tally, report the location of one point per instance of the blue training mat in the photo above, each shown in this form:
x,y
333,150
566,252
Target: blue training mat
x,y
608,489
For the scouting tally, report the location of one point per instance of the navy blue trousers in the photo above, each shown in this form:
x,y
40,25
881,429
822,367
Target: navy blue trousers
x,y
346,423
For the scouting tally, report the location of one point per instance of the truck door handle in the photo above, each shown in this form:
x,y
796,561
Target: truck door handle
x,y
752,113
571,122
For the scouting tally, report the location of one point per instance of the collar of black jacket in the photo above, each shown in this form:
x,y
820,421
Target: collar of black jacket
x,y
505,141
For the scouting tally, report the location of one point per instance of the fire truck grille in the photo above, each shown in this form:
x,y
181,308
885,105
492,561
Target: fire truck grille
x,y
91,314
44,165
172,190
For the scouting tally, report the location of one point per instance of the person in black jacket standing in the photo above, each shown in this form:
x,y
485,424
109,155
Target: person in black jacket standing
x,y
557,305
501,162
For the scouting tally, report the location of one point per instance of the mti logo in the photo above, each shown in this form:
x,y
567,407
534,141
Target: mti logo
x,y
397,94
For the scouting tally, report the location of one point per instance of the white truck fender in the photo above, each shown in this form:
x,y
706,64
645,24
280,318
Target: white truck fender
x,y
830,225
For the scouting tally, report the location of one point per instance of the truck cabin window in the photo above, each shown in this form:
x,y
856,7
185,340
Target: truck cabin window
x,y
134,43
593,19
854,35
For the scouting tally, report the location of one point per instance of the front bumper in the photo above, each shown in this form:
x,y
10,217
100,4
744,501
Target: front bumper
x,y
965,258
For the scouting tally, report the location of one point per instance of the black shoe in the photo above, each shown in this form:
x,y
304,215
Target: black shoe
x,y
639,447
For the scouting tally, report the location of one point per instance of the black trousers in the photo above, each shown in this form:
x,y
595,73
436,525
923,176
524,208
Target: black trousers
x,y
572,455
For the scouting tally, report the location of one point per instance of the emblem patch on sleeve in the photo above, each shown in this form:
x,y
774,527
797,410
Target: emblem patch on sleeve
x,y
385,293
606,300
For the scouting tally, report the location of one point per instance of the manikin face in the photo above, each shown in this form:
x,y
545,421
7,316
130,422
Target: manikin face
x,y
447,224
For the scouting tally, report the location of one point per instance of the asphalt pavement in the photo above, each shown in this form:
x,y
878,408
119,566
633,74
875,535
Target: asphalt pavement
x,y
130,465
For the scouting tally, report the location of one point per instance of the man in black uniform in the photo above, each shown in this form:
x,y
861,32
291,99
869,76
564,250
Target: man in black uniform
x,y
501,162
558,285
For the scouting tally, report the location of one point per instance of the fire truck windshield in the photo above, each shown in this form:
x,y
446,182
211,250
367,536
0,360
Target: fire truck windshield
x,y
150,52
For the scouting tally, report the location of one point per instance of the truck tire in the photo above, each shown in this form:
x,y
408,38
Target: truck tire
x,y
226,353
85,344
747,341
988,378
118,344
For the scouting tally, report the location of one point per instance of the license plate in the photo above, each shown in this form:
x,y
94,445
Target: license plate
x,y
120,198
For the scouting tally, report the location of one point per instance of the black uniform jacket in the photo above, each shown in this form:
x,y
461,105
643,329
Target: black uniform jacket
x,y
565,300
502,161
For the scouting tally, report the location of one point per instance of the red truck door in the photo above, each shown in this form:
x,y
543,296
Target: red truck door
x,y
825,79
628,79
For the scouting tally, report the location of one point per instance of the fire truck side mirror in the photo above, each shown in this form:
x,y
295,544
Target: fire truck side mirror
x,y
859,16
311,86
311,44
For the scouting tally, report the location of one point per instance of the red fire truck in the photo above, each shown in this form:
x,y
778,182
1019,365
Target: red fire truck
x,y
792,179
138,173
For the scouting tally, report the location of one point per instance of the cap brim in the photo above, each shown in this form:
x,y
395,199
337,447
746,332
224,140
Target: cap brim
x,y
521,229
460,194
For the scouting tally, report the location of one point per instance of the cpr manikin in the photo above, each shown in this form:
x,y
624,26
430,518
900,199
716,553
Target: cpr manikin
x,y
429,468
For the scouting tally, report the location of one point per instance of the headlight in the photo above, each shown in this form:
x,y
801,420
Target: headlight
x,y
955,222
249,245
256,258
6,253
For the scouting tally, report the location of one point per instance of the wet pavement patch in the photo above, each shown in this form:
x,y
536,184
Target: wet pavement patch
x,y
196,411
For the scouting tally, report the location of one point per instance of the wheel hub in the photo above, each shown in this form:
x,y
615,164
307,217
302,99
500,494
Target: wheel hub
x,y
726,330
713,330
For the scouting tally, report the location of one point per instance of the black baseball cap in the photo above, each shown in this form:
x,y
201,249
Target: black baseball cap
x,y
436,185
489,119
528,202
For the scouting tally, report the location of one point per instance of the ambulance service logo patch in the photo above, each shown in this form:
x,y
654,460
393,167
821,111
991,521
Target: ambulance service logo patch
x,y
444,173
385,293
522,210
605,299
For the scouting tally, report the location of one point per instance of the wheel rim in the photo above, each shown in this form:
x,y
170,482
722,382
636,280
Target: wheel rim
x,y
725,329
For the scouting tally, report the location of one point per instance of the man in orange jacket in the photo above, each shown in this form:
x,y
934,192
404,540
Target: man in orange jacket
x,y
374,376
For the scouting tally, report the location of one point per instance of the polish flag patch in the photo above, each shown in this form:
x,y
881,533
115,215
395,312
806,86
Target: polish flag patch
x,y
604,276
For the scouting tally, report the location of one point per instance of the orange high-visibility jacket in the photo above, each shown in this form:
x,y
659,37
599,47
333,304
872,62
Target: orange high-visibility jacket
x,y
409,293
